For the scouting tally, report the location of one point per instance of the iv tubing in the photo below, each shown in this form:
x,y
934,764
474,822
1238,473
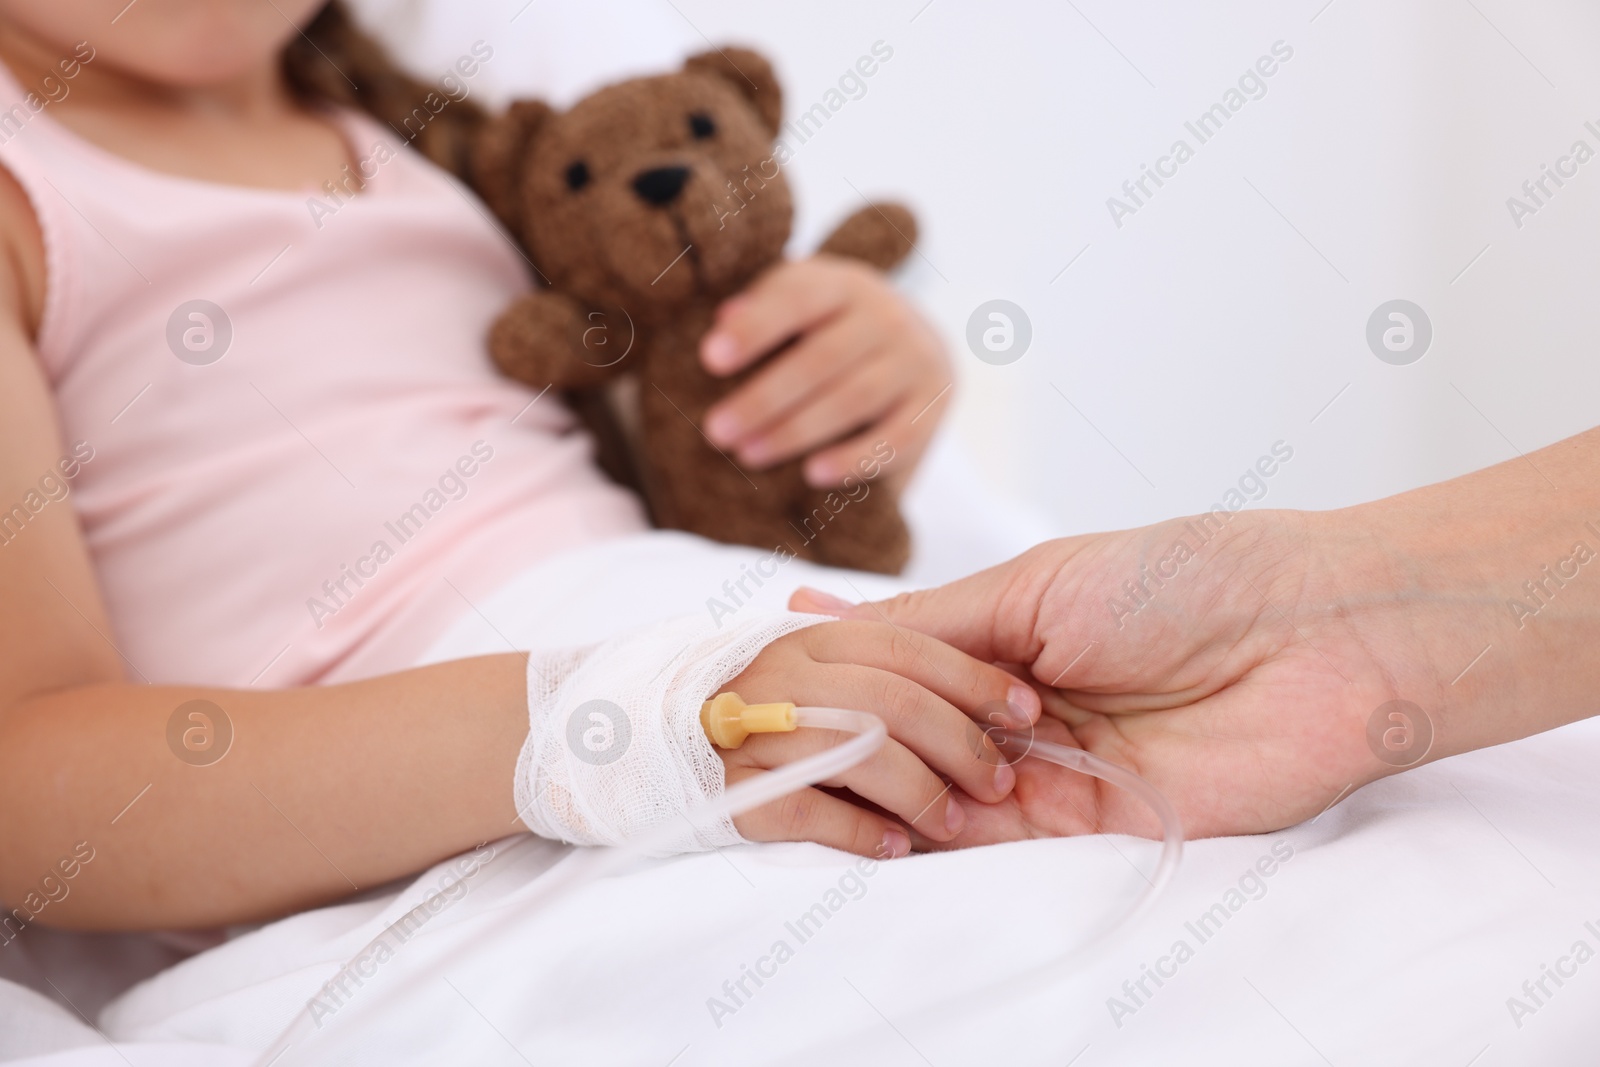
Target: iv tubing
x,y
769,786
1077,759
751,793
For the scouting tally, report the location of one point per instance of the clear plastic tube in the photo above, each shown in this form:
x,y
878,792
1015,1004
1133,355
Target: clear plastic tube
x,y
589,864
1018,988
1088,763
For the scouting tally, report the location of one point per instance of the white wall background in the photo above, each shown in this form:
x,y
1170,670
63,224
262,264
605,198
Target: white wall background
x,y
1230,310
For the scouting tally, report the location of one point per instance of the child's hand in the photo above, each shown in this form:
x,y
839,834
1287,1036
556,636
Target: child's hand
x,y
926,692
864,368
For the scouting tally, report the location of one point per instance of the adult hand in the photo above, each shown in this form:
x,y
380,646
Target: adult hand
x,y
1235,661
864,367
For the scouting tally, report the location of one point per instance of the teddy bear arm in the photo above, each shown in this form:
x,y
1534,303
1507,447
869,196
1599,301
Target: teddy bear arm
x,y
539,341
879,234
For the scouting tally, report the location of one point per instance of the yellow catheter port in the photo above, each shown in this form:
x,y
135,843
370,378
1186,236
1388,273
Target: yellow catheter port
x,y
728,720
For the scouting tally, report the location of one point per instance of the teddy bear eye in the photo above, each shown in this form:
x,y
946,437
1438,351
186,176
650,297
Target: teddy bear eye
x,y
701,126
577,175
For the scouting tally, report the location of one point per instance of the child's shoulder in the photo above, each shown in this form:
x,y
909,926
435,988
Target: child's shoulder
x,y
22,267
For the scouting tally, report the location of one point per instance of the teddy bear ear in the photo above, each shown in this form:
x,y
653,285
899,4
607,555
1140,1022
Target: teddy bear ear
x,y
499,153
751,74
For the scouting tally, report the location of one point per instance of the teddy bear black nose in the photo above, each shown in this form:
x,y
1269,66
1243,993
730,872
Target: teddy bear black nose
x,y
660,185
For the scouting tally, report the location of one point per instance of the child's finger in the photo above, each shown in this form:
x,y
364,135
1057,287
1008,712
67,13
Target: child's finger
x,y
855,400
937,732
988,693
907,427
787,300
812,815
892,778
812,365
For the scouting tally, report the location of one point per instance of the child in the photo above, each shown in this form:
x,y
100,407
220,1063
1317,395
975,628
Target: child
x,y
290,465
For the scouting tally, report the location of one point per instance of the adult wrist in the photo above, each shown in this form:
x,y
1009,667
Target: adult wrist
x,y
1433,580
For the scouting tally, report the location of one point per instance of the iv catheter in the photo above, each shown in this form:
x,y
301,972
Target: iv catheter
x,y
728,721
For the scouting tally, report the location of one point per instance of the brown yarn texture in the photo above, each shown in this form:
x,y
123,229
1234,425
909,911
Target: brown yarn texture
x,y
630,286
642,208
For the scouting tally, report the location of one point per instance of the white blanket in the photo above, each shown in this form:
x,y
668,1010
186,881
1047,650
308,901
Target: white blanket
x,y
1399,928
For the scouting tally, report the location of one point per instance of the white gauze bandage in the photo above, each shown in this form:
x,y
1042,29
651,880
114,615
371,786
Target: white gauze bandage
x,y
615,747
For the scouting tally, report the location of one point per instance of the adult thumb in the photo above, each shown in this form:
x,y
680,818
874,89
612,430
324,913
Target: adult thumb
x,y
987,615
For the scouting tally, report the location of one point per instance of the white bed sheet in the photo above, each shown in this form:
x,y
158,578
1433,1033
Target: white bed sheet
x,y
1397,932
1394,933
958,529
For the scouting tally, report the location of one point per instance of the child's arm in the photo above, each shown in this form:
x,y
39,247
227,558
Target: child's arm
x,y
865,368
318,791
322,791
329,789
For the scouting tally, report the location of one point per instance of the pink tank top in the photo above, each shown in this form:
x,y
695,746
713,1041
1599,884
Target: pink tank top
x,y
304,465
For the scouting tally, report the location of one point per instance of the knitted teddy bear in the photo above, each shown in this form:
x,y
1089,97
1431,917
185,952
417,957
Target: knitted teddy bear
x,y
641,208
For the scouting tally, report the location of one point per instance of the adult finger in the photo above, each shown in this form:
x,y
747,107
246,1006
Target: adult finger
x,y
997,614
